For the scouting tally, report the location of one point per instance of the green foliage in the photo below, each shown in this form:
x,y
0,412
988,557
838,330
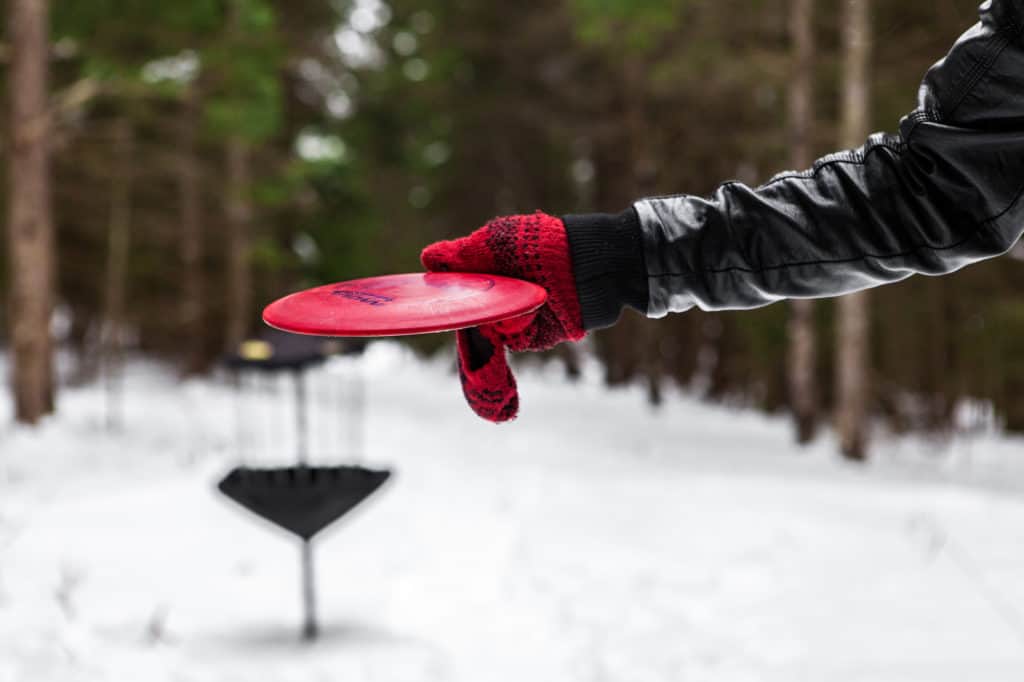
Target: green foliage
x,y
98,20
636,24
252,112
645,96
244,69
130,32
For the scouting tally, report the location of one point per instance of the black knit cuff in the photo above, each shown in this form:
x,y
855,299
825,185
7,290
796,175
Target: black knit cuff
x,y
608,263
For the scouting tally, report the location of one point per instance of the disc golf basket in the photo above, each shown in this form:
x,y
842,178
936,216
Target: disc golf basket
x,y
301,496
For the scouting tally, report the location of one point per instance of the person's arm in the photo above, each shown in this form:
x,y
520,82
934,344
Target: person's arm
x,y
942,193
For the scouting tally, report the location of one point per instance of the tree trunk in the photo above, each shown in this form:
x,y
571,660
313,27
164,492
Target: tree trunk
x,y
802,356
118,242
238,188
239,220
644,171
853,330
191,245
30,232
569,354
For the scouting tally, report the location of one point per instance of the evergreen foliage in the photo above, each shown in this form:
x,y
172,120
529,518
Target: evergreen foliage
x,y
378,127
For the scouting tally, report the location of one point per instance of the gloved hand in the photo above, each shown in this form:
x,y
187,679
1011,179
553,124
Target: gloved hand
x,y
530,247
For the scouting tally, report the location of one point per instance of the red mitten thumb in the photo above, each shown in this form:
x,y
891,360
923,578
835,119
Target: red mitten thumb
x,y
487,380
467,254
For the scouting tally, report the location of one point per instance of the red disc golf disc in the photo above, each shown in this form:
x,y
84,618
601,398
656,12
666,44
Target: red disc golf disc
x,y
401,305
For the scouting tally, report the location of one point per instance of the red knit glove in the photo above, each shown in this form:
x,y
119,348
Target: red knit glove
x,y
530,247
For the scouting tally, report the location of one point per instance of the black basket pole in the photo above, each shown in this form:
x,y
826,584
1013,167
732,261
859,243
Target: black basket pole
x,y
309,625
357,414
237,393
301,426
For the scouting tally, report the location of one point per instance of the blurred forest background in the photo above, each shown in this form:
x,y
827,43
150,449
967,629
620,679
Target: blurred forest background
x,y
197,159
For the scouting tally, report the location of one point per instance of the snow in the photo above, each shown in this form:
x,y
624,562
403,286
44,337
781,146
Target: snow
x,y
594,539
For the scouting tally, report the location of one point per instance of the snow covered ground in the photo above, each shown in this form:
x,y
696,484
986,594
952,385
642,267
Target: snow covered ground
x,y
594,539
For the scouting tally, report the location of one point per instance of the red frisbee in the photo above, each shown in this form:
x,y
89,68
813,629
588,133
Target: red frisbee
x,y
401,305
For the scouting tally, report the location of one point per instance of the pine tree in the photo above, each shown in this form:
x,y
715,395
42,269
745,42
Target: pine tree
x,y
803,390
191,244
30,232
853,325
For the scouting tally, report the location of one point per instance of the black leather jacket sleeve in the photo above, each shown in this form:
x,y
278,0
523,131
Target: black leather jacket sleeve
x,y
943,192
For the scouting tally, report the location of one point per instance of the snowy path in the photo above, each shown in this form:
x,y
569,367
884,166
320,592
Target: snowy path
x,y
594,540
